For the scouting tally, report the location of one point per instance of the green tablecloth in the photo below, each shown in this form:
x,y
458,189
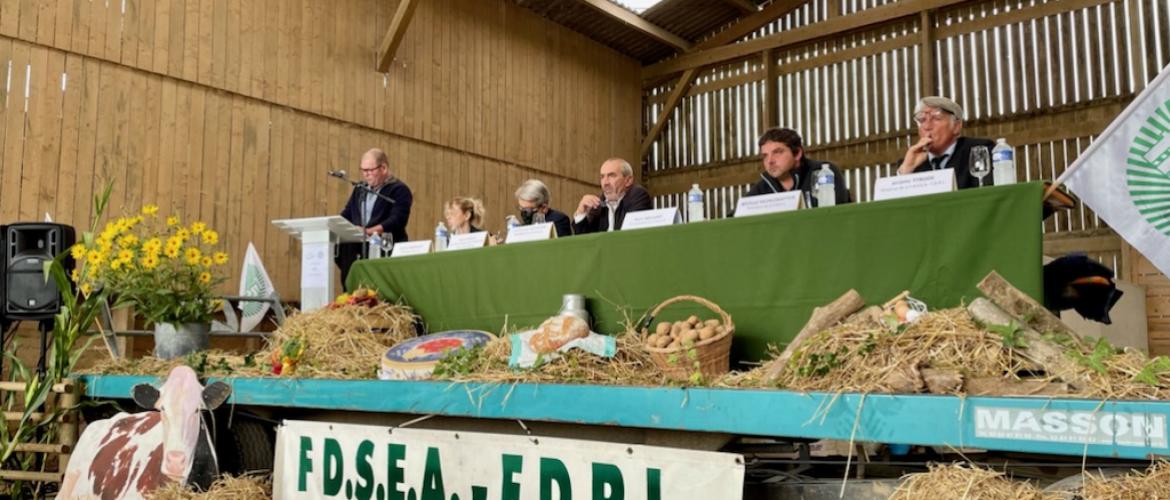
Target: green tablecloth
x,y
767,271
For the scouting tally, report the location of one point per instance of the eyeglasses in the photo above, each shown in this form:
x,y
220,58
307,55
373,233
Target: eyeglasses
x,y
365,170
922,117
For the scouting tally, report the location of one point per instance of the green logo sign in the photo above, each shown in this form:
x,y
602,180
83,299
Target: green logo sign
x,y
1148,169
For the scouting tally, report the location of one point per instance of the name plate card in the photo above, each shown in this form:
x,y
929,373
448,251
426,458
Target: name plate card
x,y
532,232
408,248
904,186
769,203
465,241
651,218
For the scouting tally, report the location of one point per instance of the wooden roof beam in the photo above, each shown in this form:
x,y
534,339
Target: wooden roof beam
x,y
743,5
833,26
634,21
393,38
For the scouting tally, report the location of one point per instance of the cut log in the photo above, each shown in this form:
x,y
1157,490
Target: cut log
x,y
1024,308
821,318
942,381
1000,386
1048,355
904,380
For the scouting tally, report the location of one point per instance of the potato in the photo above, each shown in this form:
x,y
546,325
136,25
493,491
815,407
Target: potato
x,y
673,344
720,329
652,340
663,328
693,320
690,336
677,328
711,322
706,332
664,341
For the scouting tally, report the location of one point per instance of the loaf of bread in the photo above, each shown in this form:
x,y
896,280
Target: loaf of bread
x,y
557,331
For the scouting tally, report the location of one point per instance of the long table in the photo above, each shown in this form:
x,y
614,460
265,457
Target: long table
x,y
767,271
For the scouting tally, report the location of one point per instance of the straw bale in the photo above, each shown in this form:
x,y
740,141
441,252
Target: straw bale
x,y
631,365
966,482
1154,482
227,487
340,343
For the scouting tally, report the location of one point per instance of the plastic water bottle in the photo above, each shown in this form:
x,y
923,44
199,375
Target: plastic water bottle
x,y
375,246
695,208
441,237
1003,163
826,189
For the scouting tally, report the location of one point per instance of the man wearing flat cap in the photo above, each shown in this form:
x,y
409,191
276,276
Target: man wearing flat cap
x,y
940,145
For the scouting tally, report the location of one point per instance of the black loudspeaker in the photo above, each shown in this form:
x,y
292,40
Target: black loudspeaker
x,y
27,295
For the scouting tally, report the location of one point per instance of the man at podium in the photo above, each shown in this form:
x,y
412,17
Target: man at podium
x,y
372,212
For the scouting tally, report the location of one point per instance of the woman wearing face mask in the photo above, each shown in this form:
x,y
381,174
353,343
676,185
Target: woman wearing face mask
x,y
532,200
464,215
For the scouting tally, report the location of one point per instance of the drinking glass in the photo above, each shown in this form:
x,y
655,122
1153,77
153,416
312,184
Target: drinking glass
x,y
980,163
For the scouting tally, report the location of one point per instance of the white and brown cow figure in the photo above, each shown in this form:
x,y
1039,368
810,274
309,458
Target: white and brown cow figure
x,y
130,455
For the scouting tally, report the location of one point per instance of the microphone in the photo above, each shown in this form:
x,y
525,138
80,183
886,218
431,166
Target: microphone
x,y
340,174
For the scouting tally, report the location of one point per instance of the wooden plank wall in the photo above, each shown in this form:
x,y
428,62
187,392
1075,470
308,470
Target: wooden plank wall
x,y
231,111
1048,75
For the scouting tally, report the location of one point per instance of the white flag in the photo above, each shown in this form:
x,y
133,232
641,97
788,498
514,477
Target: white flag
x,y
254,282
1125,176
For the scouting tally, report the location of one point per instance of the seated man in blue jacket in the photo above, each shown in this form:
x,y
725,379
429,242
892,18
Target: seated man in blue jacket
x,y
786,168
373,213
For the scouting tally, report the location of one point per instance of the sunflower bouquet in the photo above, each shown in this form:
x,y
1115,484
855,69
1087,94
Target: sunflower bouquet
x,y
168,271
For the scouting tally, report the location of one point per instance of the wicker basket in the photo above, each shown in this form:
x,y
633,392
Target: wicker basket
x,y
714,354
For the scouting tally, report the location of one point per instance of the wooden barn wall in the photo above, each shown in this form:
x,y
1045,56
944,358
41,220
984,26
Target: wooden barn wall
x,y
231,111
1048,75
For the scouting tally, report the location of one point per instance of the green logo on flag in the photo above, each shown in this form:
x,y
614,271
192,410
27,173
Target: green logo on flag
x,y
1148,171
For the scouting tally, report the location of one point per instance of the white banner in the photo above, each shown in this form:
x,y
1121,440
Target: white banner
x,y
329,460
1124,176
254,282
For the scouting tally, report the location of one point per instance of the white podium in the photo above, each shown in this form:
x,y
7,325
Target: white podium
x,y
318,236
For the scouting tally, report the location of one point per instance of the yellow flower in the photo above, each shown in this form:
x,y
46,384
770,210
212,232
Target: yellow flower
x,y
210,237
198,227
174,241
171,252
150,261
152,245
173,220
78,251
116,264
95,257
221,258
86,289
125,255
75,275
193,256
128,263
205,277
128,241
150,209
206,261
182,234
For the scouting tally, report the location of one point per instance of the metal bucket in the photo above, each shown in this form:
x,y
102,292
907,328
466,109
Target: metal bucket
x,y
574,305
172,341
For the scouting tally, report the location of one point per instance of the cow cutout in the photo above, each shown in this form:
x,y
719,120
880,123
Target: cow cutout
x,y
130,455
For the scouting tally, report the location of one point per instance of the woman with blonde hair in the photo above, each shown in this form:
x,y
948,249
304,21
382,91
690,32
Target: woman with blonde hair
x,y
464,215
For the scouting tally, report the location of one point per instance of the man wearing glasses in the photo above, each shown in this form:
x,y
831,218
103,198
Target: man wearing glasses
x,y
940,121
376,215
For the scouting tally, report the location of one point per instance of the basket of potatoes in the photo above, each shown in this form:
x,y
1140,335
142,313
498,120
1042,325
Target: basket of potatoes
x,y
685,347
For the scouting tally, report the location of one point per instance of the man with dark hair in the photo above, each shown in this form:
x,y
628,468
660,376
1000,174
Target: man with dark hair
x,y
786,168
940,145
598,214
376,215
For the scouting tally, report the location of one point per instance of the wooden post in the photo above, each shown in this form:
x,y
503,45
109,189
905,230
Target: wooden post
x,y
821,318
926,51
67,432
771,92
1048,355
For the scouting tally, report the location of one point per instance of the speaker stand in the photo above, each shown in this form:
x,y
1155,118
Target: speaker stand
x,y
45,326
